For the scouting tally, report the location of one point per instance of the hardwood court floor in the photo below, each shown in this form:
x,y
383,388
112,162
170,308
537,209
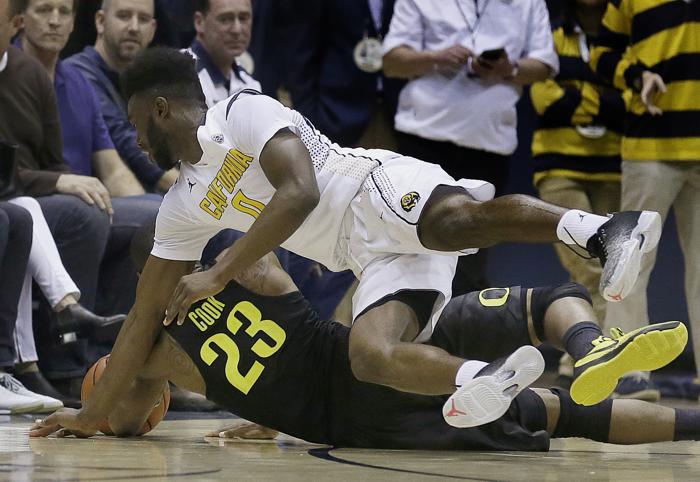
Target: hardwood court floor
x,y
176,450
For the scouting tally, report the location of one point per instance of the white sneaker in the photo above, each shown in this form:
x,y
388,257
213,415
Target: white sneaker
x,y
43,404
488,395
12,403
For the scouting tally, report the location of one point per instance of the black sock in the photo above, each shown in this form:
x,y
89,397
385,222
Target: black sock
x,y
687,425
577,339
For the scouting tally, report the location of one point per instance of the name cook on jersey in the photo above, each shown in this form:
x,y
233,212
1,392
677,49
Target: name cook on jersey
x,y
216,201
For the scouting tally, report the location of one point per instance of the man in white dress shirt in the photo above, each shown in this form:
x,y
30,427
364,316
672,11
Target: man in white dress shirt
x,y
466,62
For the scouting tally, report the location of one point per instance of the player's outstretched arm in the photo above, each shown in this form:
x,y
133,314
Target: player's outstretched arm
x,y
288,166
133,346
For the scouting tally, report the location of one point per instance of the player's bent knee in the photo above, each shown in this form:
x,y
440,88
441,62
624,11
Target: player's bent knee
x,y
544,296
579,421
371,363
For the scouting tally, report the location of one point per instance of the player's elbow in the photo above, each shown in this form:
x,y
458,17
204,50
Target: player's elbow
x,y
306,198
121,427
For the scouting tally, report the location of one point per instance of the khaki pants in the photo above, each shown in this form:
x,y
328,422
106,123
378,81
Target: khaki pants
x,y
658,186
379,133
591,196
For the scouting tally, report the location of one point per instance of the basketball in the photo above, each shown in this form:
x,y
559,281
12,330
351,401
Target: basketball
x,y
94,374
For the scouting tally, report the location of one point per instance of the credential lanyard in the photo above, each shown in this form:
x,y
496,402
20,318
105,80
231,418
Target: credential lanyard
x,y
479,15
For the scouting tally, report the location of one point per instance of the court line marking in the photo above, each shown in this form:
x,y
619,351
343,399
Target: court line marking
x,y
121,477
324,454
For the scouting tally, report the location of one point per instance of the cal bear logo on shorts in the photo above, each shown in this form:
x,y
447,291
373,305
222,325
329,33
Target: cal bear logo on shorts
x,y
410,200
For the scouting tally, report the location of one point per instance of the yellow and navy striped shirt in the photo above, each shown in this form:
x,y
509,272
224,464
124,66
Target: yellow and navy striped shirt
x,y
576,98
662,36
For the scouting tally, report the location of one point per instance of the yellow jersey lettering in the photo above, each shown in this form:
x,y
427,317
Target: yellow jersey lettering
x,y
193,318
204,316
233,356
216,303
210,310
246,205
205,205
224,183
244,312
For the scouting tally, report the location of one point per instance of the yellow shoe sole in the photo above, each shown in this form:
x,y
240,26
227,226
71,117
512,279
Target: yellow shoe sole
x,y
646,352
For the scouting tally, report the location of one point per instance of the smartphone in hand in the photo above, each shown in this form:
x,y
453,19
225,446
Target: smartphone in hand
x,y
492,54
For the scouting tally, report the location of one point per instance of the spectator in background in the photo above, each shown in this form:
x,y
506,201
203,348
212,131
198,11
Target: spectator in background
x,y
653,48
29,119
466,63
76,207
15,242
223,34
576,145
87,148
333,69
124,28
174,24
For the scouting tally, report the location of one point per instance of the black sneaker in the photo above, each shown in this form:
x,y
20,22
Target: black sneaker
x,y
76,321
611,358
619,244
35,382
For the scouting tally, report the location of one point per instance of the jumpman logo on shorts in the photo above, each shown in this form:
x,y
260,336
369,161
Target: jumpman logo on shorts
x,y
191,184
453,411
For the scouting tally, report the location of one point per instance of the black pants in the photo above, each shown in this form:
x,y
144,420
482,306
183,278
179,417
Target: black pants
x,y
458,162
461,163
15,245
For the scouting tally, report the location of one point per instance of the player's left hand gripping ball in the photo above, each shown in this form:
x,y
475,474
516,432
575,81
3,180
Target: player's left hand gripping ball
x,y
190,289
65,421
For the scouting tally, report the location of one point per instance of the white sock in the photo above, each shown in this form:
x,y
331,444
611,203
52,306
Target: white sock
x,y
576,226
467,371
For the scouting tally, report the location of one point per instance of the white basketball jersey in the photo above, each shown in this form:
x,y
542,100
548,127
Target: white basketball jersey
x,y
227,188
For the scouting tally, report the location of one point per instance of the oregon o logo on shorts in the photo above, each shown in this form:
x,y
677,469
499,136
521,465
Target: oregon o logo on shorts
x,y
410,200
492,297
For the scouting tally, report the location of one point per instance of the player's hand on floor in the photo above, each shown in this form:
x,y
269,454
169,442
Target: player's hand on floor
x,y
190,289
63,422
245,430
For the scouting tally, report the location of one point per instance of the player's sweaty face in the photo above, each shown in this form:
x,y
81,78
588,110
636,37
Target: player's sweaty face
x,y
160,149
152,139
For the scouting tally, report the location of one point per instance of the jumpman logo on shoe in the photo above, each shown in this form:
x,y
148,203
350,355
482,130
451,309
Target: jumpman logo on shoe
x,y
453,411
581,216
191,184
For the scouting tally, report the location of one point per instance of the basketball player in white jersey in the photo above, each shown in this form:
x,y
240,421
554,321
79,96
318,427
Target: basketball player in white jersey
x,y
251,164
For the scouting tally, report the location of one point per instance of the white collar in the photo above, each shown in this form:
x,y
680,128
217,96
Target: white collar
x,y
3,61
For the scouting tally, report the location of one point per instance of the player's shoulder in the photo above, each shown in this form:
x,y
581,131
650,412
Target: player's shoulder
x,y
247,103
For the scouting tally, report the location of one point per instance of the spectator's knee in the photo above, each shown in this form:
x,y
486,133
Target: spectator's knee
x,y
89,218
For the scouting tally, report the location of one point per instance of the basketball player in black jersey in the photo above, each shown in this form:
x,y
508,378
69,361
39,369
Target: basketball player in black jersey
x,y
258,349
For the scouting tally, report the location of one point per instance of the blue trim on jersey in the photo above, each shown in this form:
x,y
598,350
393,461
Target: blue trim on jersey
x,y
235,98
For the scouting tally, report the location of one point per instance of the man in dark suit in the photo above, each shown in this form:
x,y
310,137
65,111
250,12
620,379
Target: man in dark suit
x,y
352,106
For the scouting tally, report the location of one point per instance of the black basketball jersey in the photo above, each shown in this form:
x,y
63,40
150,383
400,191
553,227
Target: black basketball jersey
x,y
265,358
271,360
